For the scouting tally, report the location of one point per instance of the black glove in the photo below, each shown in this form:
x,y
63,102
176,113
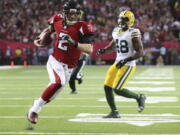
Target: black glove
x,y
70,40
100,51
121,63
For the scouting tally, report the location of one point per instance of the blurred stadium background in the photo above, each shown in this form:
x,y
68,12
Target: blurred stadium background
x,y
22,20
159,21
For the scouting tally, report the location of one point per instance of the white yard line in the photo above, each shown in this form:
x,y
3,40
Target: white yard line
x,y
87,78
9,67
151,82
42,117
28,98
84,106
153,89
71,133
38,84
152,78
80,93
97,115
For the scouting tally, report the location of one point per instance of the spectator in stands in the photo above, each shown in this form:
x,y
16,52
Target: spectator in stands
x,y
1,57
28,55
20,19
18,56
42,56
8,56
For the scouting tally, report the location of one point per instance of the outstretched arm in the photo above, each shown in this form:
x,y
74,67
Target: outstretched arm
x,y
108,49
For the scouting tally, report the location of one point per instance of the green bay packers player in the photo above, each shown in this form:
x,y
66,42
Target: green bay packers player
x,y
128,45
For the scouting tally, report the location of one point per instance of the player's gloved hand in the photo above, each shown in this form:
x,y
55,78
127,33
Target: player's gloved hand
x,y
100,51
70,40
121,63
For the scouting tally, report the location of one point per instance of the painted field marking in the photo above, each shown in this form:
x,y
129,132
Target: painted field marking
x,y
133,119
41,117
149,100
152,89
152,78
85,106
151,82
25,93
86,78
36,84
28,98
167,115
9,67
23,77
71,133
158,70
35,71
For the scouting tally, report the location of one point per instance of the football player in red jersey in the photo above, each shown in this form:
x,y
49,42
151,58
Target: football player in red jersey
x,y
73,37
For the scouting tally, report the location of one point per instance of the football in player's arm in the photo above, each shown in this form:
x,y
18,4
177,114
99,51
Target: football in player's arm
x,y
43,40
73,37
128,45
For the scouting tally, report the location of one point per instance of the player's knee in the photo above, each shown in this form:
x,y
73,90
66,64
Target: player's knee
x,y
62,82
107,88
117,91
58,85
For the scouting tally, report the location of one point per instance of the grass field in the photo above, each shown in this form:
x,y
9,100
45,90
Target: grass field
x,y
81,114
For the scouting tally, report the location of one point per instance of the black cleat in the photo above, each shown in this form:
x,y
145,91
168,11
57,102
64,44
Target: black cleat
x,y
141,102
113,114
29,127
73,92
80,81
32,117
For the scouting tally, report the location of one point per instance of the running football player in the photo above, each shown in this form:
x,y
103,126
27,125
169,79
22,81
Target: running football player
x,y
72,38
128,45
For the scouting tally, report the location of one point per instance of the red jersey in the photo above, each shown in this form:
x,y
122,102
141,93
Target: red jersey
x,y
63,51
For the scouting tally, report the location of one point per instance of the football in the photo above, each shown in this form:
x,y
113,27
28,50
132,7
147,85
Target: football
x,y
45,39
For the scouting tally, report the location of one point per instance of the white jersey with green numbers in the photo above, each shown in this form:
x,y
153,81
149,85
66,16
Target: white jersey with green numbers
x,y
124,45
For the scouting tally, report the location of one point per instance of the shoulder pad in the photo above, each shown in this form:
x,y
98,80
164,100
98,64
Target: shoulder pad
x,y
55,18
116,29
135,32
86,28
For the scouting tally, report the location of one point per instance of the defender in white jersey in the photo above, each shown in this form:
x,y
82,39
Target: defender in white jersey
x,y
128,45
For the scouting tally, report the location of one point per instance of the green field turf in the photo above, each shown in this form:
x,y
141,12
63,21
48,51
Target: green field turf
x,y
81,114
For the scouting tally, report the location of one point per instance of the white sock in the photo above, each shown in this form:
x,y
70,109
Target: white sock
x,y
37,105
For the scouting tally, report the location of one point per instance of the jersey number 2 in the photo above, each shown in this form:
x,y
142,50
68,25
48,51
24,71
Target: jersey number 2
x,y
61,44
122,46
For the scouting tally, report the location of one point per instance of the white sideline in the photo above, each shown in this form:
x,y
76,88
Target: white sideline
x,y
9,67
83,106
64,133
